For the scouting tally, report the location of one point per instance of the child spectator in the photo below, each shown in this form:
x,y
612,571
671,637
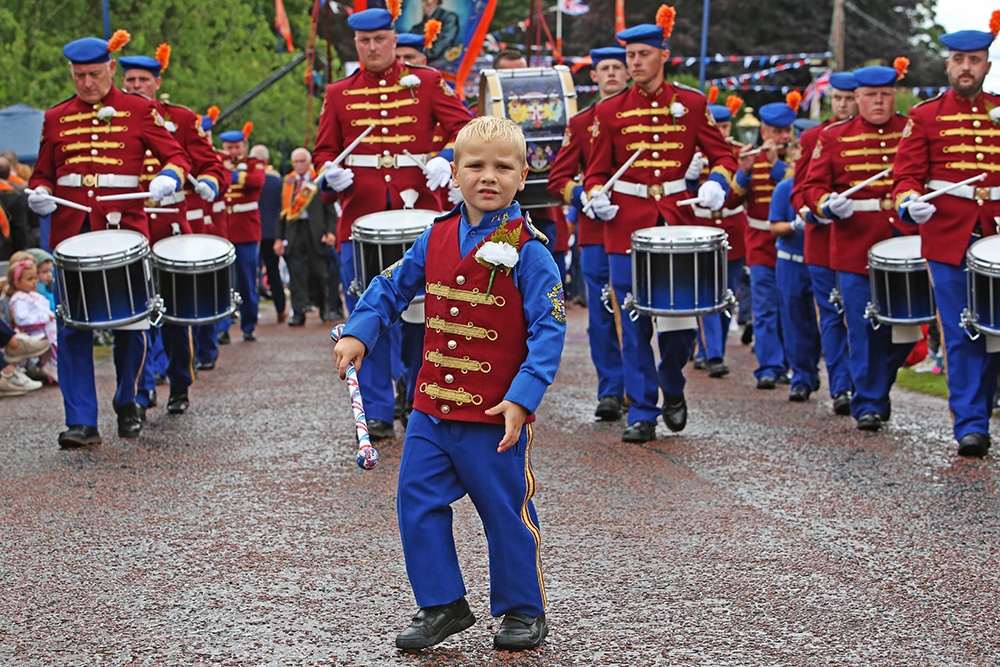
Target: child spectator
x,y
31,311
46,265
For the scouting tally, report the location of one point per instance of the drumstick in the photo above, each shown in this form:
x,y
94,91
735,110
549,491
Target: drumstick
x,y
618,174
757,151
59,200
347,151
420,164
944,190
689,202
368,457
868,181
124,196
161,210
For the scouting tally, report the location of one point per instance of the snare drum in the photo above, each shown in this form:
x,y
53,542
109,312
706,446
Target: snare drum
x,y
541,100
104,279
983,274
194,277
900,283
381,239
679,271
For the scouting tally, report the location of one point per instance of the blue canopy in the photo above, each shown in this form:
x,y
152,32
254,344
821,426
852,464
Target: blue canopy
x,y
22,131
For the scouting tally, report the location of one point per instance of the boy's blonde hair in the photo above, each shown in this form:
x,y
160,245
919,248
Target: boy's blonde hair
x,y
489,130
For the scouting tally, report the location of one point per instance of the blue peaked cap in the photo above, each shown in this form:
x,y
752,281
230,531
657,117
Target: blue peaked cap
x,y
411,39
876,76
843,81
141,62
371,19
606,53
777,114
87,51
645,33
967,40
232,136
720,114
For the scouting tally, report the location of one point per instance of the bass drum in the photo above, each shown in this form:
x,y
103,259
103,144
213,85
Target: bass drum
x,y
541,100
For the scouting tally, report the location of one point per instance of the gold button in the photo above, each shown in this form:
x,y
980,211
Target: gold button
x,y
152,216
882,144
656,137
383,113
149,169
445,409
149,153
891,219
460,280
656,119
885,158
979,140
979,156
388,178
385,130
452,345
975,109
656,154
381,82
385,152
90,193
449,378
656,172
94,137
93,151
655,105
383,97
95,122
976,123
454,311
881,131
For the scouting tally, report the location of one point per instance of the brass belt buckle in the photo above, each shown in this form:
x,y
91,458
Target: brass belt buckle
x,y
387,161
655,191
886,204
90,180
982,194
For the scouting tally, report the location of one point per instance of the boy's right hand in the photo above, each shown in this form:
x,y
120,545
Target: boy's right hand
x,y
348,350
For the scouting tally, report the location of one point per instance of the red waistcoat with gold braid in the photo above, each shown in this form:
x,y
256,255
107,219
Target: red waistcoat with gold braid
x,y
475,342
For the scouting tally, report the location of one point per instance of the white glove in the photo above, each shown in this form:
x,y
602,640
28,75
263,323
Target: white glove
x,y
798,224
694,169
337,178
712,195
455,196
40,202
840,206
161,187
438,173
921,211
205,191
601,208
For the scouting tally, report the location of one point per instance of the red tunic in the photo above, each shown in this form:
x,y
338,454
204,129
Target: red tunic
x,y
404,117
817,243
950,139
635,119
756,199
242,199
94,156
571,160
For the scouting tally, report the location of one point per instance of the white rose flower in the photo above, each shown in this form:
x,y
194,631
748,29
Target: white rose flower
x,y
995,114
106,113
677,110
498,254
410,81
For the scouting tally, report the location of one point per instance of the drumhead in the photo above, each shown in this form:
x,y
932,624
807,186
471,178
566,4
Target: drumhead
x,y
193,251
392,226
678,237
984,255
101,249
896,253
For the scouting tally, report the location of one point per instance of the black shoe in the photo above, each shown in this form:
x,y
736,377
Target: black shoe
x,y
178,402
519,632
205,365
639,431
432,625
249,336
675,413
141,409
799,394
767,382
842,403
609,409
159,378
129,425
870,422
784,379
380,430
716,368
223,338
747,336
700,364
399,403
888,410
151,402
974,444
297,320
79,435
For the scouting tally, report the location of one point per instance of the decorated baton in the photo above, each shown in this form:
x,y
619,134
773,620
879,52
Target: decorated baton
x,y
368,457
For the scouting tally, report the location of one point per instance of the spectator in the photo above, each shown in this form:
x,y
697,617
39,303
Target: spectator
x,y
31,311
46,280
16,347
270,209
13,212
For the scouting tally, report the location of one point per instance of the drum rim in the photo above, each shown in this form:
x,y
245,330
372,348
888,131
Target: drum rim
x,y
981,265
711,239
897,264
112,260
196,265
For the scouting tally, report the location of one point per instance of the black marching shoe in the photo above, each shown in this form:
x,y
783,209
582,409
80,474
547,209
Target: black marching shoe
x,y
129,421
298,320
141,410
79,435
519,632
842,403
700,364
716,368
974,444
675,413
767,382
205,365
639,431
870,422
223,338
249,336
799,394
432,625
380,430
178,402
609,409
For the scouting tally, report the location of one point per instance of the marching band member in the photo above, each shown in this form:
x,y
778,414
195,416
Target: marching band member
x,y
948,139
669,122
832,330
608,71
246,180
143,75
403,105
846,154
98,130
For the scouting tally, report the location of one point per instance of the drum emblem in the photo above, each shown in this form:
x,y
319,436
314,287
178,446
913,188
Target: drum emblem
x,y
535,113
540,157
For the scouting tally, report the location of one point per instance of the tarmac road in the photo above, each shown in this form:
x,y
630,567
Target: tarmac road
x,y
243,533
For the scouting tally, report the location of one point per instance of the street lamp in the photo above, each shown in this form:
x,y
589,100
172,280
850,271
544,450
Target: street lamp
x,y
748,128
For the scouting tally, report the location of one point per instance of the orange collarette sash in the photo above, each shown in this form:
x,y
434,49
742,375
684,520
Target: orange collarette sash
x,y
294,202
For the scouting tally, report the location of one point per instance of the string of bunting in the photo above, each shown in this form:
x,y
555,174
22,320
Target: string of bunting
x,y
748,61
741,79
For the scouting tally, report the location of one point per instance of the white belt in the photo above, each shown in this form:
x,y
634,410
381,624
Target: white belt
x,y
757,223
966,191
656,190
219,206
97,181
195,214
870,205
175,198
789,256
709,214
243,208
387,161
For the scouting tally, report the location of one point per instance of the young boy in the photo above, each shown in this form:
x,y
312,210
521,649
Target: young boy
x,y
495,329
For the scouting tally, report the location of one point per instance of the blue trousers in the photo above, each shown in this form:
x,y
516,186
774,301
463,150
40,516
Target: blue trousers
x,y
643,378
800,333
972,371
713,330
442,462
177,347
767,345
873,358
832,330
247,257
76,371
206,341
605,351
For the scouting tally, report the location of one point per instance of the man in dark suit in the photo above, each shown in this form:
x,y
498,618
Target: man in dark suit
x,y
309,227
449,35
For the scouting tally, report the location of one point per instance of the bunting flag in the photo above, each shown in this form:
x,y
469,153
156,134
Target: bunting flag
x,y
573,7
281,23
